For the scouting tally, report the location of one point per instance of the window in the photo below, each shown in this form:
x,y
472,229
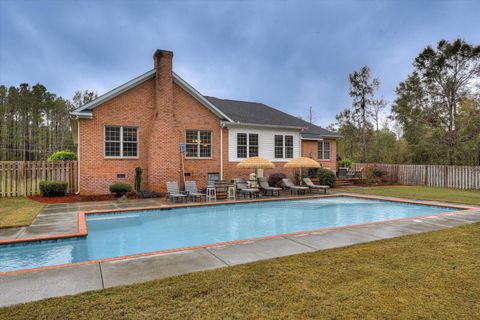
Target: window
x,y
198,144
121,142
241,145
247,145
324,150
283,146
278,146
253,145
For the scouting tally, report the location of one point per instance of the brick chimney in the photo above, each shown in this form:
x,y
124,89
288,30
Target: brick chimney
x,y
163,150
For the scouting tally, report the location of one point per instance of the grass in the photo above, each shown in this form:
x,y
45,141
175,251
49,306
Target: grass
x,y
426,276
18,212
420,193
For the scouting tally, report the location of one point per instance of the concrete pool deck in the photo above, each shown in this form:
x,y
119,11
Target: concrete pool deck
x,y
61,218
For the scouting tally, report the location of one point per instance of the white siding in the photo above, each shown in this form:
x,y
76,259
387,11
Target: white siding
x,y
266,142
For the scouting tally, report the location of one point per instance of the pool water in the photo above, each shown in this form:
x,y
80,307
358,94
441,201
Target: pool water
x,y
132,232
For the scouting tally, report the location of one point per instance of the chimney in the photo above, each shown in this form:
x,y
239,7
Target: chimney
x,y
163,149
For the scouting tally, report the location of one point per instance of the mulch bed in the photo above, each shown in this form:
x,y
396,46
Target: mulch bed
x,y
72,198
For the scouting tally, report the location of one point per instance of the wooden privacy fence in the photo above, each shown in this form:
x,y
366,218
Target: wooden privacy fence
x,y
461,177
22,178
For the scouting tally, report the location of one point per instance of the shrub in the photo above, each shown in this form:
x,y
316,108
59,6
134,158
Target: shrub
x,y
120,189
63,155
326,177
138,178
275,179
372,175
53,188
346,163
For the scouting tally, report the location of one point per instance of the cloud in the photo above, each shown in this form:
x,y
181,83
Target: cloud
x,y
287,54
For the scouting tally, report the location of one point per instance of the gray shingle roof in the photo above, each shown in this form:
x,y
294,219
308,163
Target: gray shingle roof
x,y
259,113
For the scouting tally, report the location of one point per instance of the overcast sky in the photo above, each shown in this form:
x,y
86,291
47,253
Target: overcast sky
x,y
287,54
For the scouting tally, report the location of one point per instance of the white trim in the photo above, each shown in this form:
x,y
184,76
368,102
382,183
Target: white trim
x,y
198,96
242,124
121,157
221,150
312,139
82,115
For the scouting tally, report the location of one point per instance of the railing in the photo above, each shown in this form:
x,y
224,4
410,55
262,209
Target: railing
x,y
461,177
22,178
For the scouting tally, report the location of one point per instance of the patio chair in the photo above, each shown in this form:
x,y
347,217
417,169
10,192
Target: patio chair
x,y
342,173
173,192
293,188
315,187
192,191
244,190
267,189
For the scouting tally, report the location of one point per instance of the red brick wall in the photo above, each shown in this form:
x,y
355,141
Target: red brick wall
x,y
311,147
132,108
193,115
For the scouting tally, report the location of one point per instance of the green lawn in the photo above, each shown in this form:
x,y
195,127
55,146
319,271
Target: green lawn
x,y
421,193
17,212
427,276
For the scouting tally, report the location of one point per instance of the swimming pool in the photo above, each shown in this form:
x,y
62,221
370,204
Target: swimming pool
x,y
134,232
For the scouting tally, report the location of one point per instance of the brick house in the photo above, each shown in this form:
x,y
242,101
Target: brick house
x,y
148,120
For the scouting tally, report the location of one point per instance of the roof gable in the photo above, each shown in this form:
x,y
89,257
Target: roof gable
x,y
86,109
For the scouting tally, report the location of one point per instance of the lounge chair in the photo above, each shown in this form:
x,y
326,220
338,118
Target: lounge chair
x,y
173,192
267,189
293,188
242,187
315,187
192,191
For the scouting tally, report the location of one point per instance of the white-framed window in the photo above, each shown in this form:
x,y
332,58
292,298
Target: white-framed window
x,y
198,144
247,145
283,146
121,142
323,150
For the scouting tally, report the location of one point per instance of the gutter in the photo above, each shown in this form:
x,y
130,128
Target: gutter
x,y
78,156
221,149
244,124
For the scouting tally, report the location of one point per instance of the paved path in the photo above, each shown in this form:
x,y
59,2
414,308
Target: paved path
x,y
30,286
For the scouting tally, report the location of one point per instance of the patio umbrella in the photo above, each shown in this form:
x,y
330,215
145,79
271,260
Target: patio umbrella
x,y
255,163
300,163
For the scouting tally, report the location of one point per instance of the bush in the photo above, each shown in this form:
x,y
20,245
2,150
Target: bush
x,y
53,188
346,163
138,178
372,175
120,189
326,177
275,179
63,155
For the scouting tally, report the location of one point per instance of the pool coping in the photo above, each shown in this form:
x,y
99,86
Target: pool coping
x,y
83,230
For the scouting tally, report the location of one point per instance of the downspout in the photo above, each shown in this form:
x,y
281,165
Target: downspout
x,y
221,150
78,156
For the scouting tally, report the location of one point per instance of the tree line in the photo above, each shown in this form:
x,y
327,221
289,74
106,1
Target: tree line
x,y
434,119
34,123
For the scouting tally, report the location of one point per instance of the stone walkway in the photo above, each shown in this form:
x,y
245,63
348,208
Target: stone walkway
x,y
30,286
